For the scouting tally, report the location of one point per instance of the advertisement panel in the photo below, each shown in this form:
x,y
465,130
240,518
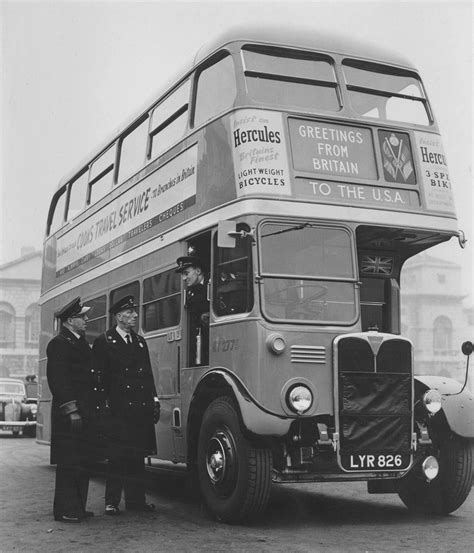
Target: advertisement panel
x,y
332,150
259,153
149,204
356,194
435,181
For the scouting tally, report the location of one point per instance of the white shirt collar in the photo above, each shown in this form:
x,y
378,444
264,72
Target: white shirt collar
x,y
123,334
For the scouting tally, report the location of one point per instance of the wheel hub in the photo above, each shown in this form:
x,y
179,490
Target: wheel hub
x,y
220,459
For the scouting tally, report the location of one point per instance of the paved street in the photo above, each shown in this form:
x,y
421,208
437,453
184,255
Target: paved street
x,y
303,518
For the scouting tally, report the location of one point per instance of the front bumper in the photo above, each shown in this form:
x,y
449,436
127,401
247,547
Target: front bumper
x,y
16,424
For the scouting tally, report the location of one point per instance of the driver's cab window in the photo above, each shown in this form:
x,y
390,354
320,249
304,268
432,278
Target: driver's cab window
x,y
232,276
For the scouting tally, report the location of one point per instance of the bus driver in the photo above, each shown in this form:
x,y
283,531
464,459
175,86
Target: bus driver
x,y
191,268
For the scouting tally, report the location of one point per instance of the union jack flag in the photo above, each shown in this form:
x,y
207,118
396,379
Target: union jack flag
x,y
376,264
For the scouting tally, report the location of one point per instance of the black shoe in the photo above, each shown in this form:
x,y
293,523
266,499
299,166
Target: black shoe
x,y
144,507
88,514
67,518
112,510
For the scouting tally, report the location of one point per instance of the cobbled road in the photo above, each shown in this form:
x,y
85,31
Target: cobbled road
x,y
336,517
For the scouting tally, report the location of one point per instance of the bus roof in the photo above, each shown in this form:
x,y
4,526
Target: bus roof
x,y
304,37
301,37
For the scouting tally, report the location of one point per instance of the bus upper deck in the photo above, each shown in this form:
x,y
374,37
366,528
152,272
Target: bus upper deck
x,y
260,120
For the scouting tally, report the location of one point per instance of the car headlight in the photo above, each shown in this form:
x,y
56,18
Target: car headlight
x,y
432,401
34,408
300,399
430,467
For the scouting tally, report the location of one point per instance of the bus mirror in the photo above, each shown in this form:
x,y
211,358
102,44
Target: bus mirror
x,y
226,233
462,239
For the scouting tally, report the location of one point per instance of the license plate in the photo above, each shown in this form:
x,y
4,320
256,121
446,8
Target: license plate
x,y
368,462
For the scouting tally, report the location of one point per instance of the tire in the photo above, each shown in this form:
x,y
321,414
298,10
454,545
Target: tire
x,y
16,433
234,475
448,491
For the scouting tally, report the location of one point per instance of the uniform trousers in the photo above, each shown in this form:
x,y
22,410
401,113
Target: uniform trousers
x,y
127,474
72,486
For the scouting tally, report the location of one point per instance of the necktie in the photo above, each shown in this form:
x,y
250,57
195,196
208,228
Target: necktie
x,y
128,339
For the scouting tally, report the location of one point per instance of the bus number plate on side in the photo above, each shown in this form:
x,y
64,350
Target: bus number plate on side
x,y
369,462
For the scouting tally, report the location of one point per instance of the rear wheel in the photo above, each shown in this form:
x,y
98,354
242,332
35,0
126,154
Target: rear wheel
x,y
448,491
234,475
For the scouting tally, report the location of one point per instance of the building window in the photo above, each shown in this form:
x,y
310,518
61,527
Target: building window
x,y
442,335
32,325
7,326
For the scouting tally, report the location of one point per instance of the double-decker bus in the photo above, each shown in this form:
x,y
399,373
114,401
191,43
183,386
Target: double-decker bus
x,y
304,170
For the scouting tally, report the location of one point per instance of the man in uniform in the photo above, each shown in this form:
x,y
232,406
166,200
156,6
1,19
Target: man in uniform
x,y
68,372
191,268
122,360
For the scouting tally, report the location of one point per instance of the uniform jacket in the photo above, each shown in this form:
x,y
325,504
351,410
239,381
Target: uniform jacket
x,y
128,392
68,372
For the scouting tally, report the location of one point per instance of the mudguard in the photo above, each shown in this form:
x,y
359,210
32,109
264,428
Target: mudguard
x,y
255,419
458,408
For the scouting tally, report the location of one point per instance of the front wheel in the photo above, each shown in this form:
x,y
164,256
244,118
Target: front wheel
x,y
234,476
448,491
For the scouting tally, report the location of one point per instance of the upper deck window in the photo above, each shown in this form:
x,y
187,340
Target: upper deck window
x,y
57,216
101,176
216,90
385,93
77,196
289,78
169,120
132,150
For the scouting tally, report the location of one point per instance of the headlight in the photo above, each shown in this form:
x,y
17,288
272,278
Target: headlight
x,y
300,399
432,401
276,344
34,408
430,467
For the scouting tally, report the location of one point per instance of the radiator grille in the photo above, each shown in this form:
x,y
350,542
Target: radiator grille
x,y
308,354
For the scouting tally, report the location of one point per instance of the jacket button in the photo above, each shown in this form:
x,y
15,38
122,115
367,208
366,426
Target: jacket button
x,y
130,404
128,387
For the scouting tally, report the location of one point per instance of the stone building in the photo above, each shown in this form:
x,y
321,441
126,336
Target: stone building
x,y
20,282
436,315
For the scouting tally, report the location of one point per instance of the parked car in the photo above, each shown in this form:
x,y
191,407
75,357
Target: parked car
x,y
17,411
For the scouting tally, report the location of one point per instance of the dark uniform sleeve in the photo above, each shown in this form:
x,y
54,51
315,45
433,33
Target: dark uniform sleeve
x,y
58,372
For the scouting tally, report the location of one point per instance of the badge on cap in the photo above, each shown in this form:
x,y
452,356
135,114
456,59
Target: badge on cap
x,y
127,302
